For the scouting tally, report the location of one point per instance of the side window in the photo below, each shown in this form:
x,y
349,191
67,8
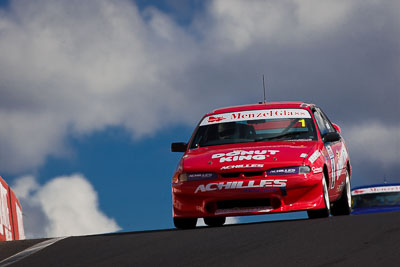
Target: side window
x,y
327,122
320,122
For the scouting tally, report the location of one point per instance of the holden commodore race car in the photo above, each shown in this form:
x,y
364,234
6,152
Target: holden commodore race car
x,y
376,198
260,159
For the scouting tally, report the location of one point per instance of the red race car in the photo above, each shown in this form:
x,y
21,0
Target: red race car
x,y
260,159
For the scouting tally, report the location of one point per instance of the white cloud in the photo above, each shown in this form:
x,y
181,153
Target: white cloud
x,y
64,206
323,15
74,67
25,186
374,142
239,24
229,220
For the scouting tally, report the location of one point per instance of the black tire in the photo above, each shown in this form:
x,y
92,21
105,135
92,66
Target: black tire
x,y
214,221
321,213
342,206
185,223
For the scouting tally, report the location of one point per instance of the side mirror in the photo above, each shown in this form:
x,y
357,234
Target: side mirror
x,y
179,147
331,137
337,127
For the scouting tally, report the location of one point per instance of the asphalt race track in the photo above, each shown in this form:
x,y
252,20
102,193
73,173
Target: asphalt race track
x,y
359,240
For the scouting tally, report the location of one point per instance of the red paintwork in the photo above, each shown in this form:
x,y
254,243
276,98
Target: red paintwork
x,y
11,222
302,191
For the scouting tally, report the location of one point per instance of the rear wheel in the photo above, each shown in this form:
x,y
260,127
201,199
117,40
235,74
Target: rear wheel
x,y
343,205
185,223
214,221
321,213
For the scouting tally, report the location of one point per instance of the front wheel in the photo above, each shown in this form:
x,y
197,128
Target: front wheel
x,y
185,223
214,221
343,205
321,213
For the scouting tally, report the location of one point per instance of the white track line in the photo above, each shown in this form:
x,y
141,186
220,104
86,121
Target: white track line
x,y
29,251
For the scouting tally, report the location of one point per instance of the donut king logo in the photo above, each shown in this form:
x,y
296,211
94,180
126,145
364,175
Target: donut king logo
x,y
239,155
241,185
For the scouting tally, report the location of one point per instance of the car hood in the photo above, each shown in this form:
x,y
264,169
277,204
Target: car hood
x,y
256,155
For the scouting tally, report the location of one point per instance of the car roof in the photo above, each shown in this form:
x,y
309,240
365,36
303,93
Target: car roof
x,y
261,105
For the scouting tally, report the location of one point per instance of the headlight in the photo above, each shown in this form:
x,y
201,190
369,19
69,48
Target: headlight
x,y
183,177
197,176
304,169
289,170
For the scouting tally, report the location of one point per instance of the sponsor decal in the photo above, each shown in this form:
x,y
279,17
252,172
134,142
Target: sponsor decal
x,y
283,171
303,155
333,168
240,185
242,166
239,155
342,159
256,115
372,190
314,156
316,170
213,119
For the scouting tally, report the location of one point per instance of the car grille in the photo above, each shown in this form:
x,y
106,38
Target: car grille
x,y
243,205
242,174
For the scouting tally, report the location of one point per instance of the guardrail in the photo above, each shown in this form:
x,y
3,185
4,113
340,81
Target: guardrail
x,y
11,221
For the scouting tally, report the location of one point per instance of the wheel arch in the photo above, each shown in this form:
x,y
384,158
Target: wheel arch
x,y
348,167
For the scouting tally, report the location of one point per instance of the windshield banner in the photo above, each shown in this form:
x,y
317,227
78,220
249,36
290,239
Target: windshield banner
x,y
380,189
256,115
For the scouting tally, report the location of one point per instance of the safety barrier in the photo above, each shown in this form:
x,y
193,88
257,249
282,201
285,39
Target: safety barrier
x,y
11,221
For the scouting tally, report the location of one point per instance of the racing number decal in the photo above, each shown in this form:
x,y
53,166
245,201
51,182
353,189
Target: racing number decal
x,y
332,158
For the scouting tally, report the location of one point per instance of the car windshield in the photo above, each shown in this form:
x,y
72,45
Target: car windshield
x,y
376,200
255,126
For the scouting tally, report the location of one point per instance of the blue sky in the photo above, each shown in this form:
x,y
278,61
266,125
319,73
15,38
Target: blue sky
x,y
132,178
92,93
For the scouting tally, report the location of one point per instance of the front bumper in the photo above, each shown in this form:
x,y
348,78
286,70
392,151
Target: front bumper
x,y
247,196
